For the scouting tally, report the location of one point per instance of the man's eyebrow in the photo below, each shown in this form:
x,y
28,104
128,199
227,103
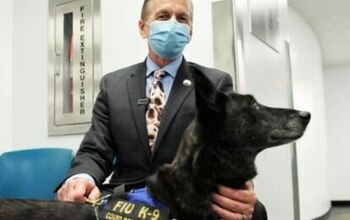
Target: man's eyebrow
x,y
183,14
162,11
168,11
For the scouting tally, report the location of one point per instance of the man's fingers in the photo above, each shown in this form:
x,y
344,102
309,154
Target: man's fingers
x,y
94,194
244,196
60,193
76,190
226,215
249,185
232,205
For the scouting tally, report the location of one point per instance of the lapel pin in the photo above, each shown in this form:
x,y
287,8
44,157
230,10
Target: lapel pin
x,y
187,82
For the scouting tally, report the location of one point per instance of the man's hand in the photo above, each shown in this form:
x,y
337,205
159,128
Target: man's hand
x,y
78,190
233,204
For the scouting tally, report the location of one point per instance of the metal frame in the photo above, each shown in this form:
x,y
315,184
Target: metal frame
x,y
224,39
293,149
228,44
72,123
238,27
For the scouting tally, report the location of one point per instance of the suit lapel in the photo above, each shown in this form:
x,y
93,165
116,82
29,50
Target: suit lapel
x,y
178,94
137,90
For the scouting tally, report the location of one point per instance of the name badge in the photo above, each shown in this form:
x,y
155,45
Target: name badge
x,y
142,101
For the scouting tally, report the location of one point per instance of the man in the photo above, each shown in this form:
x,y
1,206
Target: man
x,y
119,139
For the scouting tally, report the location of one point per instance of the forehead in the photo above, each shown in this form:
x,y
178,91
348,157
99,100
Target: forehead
x,y
174,6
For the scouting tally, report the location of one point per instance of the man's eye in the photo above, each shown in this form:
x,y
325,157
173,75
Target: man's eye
x,y
182,20
163,17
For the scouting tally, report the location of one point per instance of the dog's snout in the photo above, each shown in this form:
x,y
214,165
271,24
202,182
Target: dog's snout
x,y
304,115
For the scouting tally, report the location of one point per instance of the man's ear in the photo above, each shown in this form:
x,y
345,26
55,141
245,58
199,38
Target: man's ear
x,y
143,29
191,32
208,99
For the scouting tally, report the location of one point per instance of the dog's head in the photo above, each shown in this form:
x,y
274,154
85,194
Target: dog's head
x,y
240,121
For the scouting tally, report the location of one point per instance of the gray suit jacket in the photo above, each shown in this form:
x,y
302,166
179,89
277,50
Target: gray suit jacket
x,y
117,140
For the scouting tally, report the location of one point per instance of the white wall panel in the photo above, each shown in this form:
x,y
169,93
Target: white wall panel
x,y
6,16
308,94
266,76
30,78
337,92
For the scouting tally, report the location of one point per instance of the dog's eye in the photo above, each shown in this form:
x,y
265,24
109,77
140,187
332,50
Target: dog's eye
x,y
255,106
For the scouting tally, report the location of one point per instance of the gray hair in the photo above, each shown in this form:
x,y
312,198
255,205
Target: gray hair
x,y
144,11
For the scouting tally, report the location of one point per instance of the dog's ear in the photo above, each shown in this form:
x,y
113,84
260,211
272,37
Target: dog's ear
x,y
208,99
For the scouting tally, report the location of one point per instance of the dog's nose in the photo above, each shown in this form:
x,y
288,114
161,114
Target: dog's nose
x,y
305,115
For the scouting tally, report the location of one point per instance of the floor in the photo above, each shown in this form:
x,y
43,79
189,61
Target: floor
x,y
339,213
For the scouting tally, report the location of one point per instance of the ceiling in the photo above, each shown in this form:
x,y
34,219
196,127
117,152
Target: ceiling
x,y
330,19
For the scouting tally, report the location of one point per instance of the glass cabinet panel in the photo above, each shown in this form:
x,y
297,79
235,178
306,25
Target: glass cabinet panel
x,y
74,64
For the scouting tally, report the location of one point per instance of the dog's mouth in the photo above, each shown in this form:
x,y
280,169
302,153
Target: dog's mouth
x,y
285,135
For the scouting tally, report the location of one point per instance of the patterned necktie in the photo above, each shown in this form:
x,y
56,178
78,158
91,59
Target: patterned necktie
x,y
155,107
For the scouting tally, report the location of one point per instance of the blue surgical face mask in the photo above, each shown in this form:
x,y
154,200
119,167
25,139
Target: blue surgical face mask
x,y
168,38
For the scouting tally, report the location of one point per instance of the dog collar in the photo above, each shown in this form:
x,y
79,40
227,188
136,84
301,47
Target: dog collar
x,y
97,203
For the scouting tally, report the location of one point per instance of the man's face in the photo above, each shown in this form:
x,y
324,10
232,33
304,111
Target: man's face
x,y
162,10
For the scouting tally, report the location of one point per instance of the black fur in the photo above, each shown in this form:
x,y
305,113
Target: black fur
x,y
44,210
218,147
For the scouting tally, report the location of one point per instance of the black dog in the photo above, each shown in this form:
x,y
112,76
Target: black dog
x,y
219,147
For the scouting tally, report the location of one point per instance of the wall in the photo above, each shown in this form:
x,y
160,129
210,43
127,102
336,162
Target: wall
x,y
30,78
6,13
265,74
308,95
337,90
